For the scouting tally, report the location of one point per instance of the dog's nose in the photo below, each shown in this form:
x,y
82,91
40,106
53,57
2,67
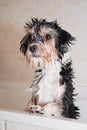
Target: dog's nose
x,y
33,48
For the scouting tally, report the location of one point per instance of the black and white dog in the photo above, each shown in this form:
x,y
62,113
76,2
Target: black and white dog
x,y
45,44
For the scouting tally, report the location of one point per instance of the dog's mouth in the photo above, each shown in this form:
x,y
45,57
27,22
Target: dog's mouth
x,y
35,55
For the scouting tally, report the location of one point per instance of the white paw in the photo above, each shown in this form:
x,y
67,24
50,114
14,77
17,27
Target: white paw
x,y
52,109
36,109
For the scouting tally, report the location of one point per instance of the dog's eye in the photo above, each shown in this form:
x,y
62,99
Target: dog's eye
x,y
47,36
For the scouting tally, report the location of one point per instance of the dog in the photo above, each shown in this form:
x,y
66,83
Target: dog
x,y
44,45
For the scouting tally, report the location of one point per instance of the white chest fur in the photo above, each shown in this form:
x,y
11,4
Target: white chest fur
x,y
49,86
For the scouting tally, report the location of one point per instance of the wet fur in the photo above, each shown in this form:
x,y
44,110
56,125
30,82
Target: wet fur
x,y
62,40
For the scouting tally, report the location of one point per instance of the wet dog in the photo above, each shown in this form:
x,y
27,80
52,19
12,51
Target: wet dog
x,y
45,44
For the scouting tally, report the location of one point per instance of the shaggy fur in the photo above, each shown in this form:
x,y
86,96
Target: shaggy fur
x,y
45,44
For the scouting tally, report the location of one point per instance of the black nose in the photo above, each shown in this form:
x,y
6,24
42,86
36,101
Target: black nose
x,y
33,48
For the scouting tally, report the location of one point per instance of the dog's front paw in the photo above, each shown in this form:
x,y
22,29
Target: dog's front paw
x,y
36,109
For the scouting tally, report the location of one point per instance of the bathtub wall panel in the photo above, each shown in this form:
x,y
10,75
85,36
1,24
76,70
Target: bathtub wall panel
x,y
18,126
2,125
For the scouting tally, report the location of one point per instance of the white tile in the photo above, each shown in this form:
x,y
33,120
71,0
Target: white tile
x,y
16,126
2,125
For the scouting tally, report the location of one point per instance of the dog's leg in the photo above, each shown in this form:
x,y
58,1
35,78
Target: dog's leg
x,y
27,108
35,108
32,105
50,109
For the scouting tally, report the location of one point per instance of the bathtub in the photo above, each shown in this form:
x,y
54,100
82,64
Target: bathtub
x,y
12,117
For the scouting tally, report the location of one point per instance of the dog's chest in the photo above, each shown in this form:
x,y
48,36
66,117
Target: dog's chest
x,y
49,87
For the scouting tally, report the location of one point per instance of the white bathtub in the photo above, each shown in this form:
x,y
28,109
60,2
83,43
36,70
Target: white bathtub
x,y
13,100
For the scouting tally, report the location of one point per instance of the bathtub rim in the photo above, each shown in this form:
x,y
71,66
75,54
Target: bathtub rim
x,y
40,121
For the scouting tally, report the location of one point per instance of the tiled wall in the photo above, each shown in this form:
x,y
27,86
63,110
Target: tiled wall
x,y
71,15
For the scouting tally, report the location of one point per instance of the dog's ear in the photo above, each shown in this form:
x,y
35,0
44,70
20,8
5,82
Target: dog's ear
x,y
24,44
64,41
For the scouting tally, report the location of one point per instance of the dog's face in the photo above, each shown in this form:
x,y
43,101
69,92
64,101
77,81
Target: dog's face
x,y
45,40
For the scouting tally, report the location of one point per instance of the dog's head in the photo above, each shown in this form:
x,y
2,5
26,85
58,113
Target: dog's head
x,y
45,40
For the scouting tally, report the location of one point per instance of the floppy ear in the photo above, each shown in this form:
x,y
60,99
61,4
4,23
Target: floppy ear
x,y
64,41
24,44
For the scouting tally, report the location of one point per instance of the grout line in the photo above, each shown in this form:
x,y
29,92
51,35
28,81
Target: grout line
x,y
4,125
